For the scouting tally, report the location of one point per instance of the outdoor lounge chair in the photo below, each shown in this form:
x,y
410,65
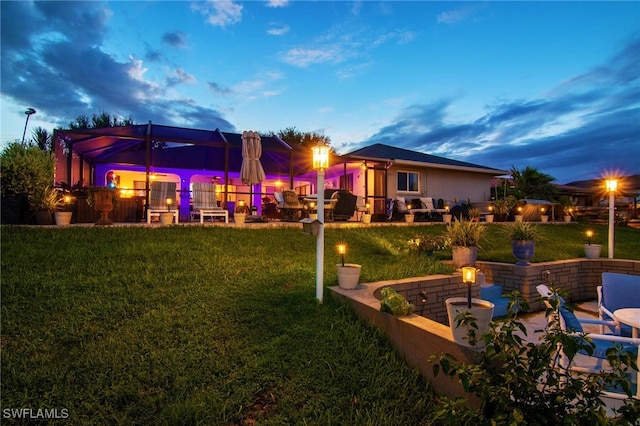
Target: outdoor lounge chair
x,y
292,209
583,362
160,191
618,291
205,203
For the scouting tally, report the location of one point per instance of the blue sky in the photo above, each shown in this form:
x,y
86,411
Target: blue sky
x,y
552,85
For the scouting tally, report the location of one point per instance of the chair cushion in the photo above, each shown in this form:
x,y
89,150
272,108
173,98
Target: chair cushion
x,y
620,291
570,319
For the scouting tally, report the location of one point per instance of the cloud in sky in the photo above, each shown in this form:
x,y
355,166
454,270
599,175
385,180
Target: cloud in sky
x,y
220,12
176,39
567,123
63,66
457,15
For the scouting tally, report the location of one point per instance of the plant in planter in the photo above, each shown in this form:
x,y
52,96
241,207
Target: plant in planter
x,y
394,303
464,237
63,214
544,217
348,273
523,237
45,201
591,251
240,213
520,382
423,243
103,200
503,206
166,218
568,208
489,217
474,214
409,217
463,312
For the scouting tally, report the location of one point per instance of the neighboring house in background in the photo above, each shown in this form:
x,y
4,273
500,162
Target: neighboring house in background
x,y
379,172
591,195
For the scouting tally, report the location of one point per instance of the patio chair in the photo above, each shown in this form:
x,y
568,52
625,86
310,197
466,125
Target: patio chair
x,y
160,191
434,212
596,362
205,203
618,291
292,209
343,203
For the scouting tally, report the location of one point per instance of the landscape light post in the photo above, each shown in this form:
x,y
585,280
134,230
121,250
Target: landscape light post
x,y
29,112
320,163
612,185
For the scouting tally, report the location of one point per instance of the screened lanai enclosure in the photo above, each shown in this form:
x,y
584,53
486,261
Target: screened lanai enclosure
x,y
131,157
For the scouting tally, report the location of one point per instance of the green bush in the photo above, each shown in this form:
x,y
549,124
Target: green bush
x,y
465,233
25,170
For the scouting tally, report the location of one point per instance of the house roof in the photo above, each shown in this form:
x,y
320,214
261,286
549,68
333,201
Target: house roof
x,y
178,147
382,152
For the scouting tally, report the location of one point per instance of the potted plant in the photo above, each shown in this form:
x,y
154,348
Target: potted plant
x,y
409,217
474,214
489,217
366,216
518,381
63,217
240,213
543,215
166,218
518,217
103,200
567,208
44,201
503,206
464,238
460,309
591,251
348,273
446,217
523,237
427,244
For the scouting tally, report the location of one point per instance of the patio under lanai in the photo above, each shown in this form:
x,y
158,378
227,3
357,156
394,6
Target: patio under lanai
x,y
132,157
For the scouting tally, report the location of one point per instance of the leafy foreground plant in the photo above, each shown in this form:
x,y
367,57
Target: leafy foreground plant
x,y
522,383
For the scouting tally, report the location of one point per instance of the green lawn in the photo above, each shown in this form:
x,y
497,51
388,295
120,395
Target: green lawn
x,y
216,325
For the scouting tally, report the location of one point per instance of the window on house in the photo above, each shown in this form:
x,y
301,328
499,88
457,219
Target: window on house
x,y
408,181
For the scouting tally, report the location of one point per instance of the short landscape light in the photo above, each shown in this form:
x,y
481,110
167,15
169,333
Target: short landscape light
x,y
342,250
469,278
589,234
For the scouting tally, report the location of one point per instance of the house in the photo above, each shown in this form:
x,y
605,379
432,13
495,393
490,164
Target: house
x,y
131,157
380,172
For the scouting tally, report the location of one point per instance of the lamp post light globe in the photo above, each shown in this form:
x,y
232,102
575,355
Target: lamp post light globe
x,y
29,112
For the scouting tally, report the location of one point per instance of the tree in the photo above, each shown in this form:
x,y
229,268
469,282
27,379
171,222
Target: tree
x,y
42,138
308,139
98,121
530,183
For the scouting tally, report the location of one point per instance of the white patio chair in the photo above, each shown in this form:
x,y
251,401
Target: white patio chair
x,y
583,362
160,191
205,203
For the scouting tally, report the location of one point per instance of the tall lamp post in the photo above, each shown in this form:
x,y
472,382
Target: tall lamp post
x,y
320,163
29,112
612,185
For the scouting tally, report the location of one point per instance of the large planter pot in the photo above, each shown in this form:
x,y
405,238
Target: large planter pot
x,y
348,275
488,218
544,218
103,204
166,218
63,218
409,218
464,256
239,218
366,218
446,218
592,251
567,218
523,251
43,217
482,311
